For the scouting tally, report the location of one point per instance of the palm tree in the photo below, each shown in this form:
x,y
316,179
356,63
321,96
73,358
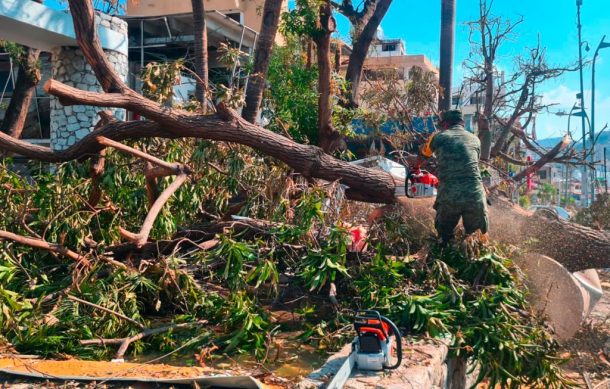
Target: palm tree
x,y
264,46
447,47
201,50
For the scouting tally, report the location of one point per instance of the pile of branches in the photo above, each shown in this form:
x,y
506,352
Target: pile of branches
x,y
212,281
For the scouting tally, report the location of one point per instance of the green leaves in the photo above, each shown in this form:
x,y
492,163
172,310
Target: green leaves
x,y
322,266
478,302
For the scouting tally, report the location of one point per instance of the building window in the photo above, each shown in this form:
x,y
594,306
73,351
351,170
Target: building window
x,y
389,47
455,101
542,174
476,100
237,16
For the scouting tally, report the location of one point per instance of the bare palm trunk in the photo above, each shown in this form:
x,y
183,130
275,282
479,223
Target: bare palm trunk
x,y
329,138
201,51
262,56
446,53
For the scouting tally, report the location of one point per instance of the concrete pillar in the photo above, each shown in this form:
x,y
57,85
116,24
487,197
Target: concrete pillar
x,y
70,124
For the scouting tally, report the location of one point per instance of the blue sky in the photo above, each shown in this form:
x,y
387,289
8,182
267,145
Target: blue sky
x,y
417,22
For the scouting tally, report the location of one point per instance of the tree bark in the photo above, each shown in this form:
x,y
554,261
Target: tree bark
x,y
262,56
201,51
328,138
364,184
360,46
574,246
28,76
485,132
446,52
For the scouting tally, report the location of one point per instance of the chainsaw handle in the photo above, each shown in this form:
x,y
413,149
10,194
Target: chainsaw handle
x,y
396,332
368,315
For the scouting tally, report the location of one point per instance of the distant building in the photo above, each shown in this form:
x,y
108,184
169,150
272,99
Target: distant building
x,y
386,54
389,55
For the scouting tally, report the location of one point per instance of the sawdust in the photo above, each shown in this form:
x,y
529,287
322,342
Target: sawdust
x,y
103,370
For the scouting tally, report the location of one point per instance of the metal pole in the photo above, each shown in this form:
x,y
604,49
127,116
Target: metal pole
x,y
585,201
605,170
592,126
567,185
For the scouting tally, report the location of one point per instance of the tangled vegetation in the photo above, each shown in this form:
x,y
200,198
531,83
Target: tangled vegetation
x,y
227,292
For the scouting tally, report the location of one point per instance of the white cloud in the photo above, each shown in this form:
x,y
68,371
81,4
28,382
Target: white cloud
x,y
563,98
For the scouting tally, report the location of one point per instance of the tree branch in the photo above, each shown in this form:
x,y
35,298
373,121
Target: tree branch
x,y
142,237
44,245
176,168
543,160
125,342
110,311
83,16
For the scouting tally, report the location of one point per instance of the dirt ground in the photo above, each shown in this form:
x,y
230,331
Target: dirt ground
x,y
589,351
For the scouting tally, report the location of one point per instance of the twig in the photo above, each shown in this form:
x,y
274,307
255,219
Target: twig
x,y
117,314
125,342
176,167
142,237
585,375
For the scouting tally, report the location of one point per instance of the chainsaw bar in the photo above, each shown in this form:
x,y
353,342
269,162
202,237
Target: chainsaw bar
x,y
344,372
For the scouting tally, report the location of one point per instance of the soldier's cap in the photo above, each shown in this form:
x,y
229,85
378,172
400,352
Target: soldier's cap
x,y
452,116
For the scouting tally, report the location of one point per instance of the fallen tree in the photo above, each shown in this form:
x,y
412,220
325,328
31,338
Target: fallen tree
x,y
574,246
225,125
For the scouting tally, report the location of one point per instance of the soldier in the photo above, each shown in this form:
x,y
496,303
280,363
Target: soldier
x,y
460,193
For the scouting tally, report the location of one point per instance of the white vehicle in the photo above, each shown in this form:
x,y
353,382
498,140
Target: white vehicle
x,y
559,210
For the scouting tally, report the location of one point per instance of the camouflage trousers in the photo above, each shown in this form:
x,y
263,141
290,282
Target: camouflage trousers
x,y
474,217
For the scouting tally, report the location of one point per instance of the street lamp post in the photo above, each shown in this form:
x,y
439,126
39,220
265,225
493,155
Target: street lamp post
x,y
602,45
582,106
605,171
567,177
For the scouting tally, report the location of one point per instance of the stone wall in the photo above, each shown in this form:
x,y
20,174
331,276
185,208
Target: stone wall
x,y
69,124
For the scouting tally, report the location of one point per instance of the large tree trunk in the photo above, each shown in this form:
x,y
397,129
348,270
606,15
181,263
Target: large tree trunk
x,y
360,47
201,51
364,184
28,77
262,56
328,139
446,53
574,246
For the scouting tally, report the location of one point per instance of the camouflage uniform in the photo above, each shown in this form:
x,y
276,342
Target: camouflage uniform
x,y
460,192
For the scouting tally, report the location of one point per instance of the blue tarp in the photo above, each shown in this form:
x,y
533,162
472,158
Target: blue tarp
x,y
418,124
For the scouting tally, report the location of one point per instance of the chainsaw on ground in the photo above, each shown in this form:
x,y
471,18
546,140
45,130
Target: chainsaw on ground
x,y
377,346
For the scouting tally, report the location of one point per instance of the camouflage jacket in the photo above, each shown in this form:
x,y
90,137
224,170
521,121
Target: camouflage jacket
x,y
457,153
